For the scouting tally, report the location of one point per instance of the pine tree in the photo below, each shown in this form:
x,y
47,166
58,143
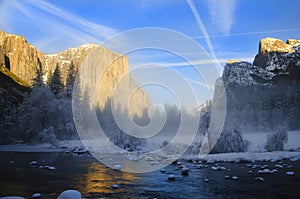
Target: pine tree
x,y
70,80
55,83
38,80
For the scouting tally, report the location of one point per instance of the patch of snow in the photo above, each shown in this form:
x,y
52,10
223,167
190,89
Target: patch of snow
x,y
12,197
249,156
234,178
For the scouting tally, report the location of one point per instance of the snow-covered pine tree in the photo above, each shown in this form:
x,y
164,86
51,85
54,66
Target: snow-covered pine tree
x,y
55,83
277,139
41,110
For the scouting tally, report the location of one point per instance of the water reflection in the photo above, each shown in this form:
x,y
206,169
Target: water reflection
x,y
99,180
82,172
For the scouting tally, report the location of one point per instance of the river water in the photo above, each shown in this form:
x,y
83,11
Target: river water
x,y
94,180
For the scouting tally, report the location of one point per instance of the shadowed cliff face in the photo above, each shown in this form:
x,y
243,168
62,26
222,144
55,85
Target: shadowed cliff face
x,y
265,94
23,60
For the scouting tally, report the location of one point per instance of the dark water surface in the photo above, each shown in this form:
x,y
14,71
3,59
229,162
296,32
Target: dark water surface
x,y
94,180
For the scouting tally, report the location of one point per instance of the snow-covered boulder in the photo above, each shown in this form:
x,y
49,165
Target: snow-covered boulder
x,y
70,194
171,177
36,195
185,171
116,186
117,167
290,173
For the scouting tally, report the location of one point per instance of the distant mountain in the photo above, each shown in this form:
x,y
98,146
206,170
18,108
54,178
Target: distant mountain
x,y
265,94
22,59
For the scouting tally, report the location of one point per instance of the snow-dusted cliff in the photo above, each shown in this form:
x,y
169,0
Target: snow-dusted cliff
x,y
265,94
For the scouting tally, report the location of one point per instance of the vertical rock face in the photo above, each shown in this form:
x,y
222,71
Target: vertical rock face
x,y
23,60
265,94
2,61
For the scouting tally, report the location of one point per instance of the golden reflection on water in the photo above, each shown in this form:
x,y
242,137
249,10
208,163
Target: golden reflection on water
x,y
99,179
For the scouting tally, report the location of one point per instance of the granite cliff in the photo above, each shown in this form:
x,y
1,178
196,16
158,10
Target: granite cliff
x,y
22,59
265,94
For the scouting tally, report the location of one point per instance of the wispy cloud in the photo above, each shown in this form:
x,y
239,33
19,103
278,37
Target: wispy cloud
x,y
251,33
56,28
203,30
222,13
193,63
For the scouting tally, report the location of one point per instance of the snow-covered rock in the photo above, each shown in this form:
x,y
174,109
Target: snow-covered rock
x,y
267,171
33,163
185,171
12,197
163,170
290,173
234,177
117,167
171,177
36,195
70,194
226,177
50,168
116,186
259,179
218,168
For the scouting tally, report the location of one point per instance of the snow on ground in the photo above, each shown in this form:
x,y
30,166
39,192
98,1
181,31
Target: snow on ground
x,y
256,151
251,156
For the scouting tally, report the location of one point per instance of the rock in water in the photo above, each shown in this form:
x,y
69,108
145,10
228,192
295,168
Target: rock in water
x,y
116,186
163,170
290,173
171,177
185,171
117,167
33,163
259,179
70,194
36,195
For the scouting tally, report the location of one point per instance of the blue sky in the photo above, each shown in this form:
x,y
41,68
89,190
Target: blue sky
x,y
226,29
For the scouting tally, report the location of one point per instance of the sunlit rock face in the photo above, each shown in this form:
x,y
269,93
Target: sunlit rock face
x,y
20,57
23,59
268,45
265,94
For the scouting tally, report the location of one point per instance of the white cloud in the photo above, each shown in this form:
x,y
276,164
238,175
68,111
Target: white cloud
x,y
222,13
